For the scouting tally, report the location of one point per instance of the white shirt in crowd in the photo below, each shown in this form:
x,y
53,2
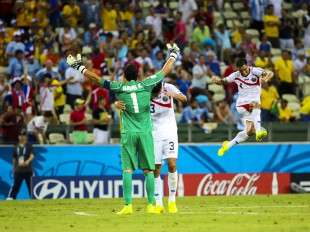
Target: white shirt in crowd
x,y
37,124
47,98
156,23
74,88
146,60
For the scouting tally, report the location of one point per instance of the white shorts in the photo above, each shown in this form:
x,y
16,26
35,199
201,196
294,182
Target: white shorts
x,y
165,149
101,136
243,109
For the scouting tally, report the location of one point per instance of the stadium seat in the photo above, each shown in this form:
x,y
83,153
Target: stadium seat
x,y
230,23
246,23
57,138
238,6
86,50
64,118
3,70
245,15
67,109
275,58
295,107
307,89
287,6
276,51
252,32
80,30
230,15
173,5
217,16
217,89
223,68
227,7
218,97
89,117
91,138
291,98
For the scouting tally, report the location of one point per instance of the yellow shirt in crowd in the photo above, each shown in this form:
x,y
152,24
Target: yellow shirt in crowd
x,y
262,63
305,106
285,70
127,15
271,31
25,14
61,100
72,14
285,114
268,96
109,20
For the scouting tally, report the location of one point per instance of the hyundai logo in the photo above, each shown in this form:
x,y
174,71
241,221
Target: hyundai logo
x,y
50,188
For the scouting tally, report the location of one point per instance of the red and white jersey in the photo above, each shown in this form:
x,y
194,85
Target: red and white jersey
x,y
249,87
163,117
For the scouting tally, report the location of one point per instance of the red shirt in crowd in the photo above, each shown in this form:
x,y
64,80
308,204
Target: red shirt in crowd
x,y
77,116
97,92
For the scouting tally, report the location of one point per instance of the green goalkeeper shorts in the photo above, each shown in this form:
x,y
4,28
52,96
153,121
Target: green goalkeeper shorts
x,y
137,151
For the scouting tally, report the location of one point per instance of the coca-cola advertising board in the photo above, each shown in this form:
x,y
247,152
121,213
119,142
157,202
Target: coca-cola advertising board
x,y
232,184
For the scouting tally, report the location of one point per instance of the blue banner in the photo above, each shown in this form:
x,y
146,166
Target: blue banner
x,y
73,160
84,187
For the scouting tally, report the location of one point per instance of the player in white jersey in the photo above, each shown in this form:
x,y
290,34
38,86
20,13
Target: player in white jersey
x,y
165,135
249,81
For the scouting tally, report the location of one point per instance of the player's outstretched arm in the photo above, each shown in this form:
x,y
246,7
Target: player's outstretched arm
x,y
219,81
78,65
174,52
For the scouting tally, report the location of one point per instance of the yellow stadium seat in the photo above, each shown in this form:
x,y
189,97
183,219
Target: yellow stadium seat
x,y
65,118
57,138
291,98
238,6
252,32
217,89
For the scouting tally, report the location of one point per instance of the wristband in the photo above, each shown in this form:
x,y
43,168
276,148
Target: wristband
x,y
82,69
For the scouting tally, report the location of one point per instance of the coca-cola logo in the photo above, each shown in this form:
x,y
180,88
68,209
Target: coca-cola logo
x,y
240,184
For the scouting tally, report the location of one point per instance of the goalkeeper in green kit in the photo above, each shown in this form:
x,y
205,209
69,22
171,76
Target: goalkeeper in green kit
x,y
137,146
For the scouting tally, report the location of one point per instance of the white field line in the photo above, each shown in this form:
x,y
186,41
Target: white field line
x,y
246,213
263,206
84,214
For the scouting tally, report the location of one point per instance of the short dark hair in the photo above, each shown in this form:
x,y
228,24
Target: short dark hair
x,y
18,51
157,87
241,61
100,98
131,72
48,114
47,75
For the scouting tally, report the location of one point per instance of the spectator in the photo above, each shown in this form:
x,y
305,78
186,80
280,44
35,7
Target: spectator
x,y
4,88
213,65
136,20
306,24
256,8
16,65
202,103
72,12
223,114
272,24
91,12
15,97
52,56
189,10
200,33
49,37
223,42
247,48
121,50
300,63
206,16
38,125
269,101
3,45
74,86
277,4
65,34
63,65
154,22
183,82
286,29
101,117
90,36
187,64
284,71
48,69
285,113
23,154
144,60
54,13
231,88
12,123
79,121
237,34
265,45
109,16
263,61
200,73
179,33
298,47
192,114
33,66
42,13
305,110
50,88
107,46
159,61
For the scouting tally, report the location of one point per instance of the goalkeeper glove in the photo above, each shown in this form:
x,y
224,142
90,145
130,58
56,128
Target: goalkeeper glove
x,y
76,63
174,51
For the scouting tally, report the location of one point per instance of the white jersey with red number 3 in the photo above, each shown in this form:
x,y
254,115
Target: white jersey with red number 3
x,y
163,117
249,87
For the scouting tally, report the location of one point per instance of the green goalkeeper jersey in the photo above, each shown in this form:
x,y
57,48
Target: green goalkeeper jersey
x,y
136,96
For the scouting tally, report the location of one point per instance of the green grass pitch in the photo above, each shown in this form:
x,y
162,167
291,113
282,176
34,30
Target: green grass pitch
x,y
217,213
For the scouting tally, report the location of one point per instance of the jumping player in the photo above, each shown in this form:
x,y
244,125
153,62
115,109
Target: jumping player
x,y
249,81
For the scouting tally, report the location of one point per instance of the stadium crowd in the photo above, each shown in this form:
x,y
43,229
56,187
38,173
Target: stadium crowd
x,y
37,87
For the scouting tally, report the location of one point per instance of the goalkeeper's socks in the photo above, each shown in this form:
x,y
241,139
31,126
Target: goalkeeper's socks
x,y
256,117
127,187
150,187
158,191
172,184
241,137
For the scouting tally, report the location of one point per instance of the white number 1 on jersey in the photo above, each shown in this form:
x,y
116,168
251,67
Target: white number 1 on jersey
x,y
135,102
